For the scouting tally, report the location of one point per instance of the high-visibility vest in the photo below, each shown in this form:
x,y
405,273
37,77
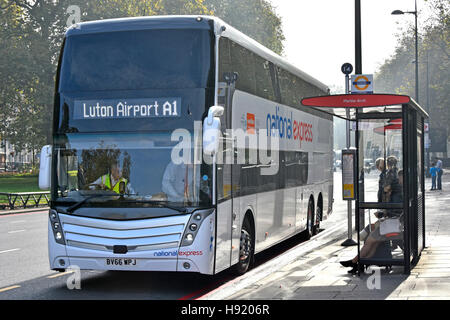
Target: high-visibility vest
x,y
106,180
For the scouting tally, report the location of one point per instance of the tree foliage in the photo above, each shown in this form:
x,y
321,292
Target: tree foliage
x,y
255,18
397,74
31,33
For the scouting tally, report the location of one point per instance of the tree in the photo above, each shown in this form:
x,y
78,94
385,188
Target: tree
x,y
17,85
255,18
31,33
397,74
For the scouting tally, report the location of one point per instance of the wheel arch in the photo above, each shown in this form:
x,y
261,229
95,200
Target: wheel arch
x,y
250,216
311,199
320,205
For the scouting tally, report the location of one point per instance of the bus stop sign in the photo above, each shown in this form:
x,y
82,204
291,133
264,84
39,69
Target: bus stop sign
x,y
362,83
347,68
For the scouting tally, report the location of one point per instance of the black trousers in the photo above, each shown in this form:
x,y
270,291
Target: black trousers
x,y
439,180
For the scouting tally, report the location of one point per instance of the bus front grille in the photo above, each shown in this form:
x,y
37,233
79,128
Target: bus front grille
x,y
136,235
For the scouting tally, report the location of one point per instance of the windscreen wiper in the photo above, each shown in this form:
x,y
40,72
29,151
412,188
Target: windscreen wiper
x,y
179,209
163,204
80,203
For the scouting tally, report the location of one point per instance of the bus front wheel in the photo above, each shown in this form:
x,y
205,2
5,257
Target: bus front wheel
x,y
246,249
316,227
308,233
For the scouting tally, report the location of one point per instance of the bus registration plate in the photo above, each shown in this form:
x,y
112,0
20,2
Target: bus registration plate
x,y
120,262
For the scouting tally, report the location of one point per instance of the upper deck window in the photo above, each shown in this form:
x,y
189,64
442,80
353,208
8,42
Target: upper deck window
x,y
133,60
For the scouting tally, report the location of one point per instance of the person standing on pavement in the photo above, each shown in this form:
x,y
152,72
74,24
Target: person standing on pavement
x,y
433,172
440,171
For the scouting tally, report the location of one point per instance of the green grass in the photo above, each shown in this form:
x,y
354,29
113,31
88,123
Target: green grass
x,y
19,183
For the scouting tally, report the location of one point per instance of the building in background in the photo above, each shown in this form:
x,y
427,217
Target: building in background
x,y
13,161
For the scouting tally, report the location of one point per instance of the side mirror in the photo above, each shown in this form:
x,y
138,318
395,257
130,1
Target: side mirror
x,y
45,168
214,111
211,130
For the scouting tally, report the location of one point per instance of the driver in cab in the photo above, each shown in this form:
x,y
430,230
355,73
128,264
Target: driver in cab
x,y
113,181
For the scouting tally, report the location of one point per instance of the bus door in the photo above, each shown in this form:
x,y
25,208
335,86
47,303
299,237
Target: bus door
x,y
228,228
236,170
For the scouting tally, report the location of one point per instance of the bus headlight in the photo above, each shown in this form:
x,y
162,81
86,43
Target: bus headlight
x,y
189,238
193,226
56,227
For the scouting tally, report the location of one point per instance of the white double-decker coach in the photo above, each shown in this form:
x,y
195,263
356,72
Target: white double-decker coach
x,y
180,144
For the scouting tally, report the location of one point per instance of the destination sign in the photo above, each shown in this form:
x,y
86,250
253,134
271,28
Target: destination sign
x,y
127,108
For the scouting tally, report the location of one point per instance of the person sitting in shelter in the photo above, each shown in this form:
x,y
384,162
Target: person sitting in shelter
x,y
379,164
391,190
390,183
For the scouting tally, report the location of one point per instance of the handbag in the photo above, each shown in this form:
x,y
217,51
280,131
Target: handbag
x,y
390,225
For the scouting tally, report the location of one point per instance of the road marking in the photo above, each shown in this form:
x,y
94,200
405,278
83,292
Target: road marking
x,y
10,250
19,221
59,274
16,231
9,288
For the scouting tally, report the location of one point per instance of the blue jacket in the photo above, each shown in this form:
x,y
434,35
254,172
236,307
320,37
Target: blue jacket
x,y
433,171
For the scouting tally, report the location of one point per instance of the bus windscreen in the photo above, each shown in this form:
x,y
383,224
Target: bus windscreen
x,y
134,60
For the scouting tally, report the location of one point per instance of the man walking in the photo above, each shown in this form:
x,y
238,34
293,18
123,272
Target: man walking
x,y
440,171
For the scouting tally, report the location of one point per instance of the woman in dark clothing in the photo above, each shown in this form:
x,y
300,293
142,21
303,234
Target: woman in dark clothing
x,y
380,166
391,185
391,191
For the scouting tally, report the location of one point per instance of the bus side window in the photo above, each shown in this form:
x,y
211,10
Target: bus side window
x,y
264,84
243,62
274,70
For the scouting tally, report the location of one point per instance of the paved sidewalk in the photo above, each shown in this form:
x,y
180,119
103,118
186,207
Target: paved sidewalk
x,y
318,275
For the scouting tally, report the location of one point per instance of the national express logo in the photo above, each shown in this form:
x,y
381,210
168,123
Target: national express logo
x,y
177,253
288,128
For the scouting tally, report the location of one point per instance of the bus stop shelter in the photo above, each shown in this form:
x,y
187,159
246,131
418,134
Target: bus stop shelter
x,y
389,190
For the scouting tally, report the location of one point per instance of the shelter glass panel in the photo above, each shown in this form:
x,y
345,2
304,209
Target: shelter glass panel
x,y
381,160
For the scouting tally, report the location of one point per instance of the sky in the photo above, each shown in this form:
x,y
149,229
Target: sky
x,y
320,34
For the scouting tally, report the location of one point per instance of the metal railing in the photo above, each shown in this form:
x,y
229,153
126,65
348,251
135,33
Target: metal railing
x,y
25,199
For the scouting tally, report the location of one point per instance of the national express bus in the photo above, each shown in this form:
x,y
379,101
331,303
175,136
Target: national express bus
x,y
180,144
